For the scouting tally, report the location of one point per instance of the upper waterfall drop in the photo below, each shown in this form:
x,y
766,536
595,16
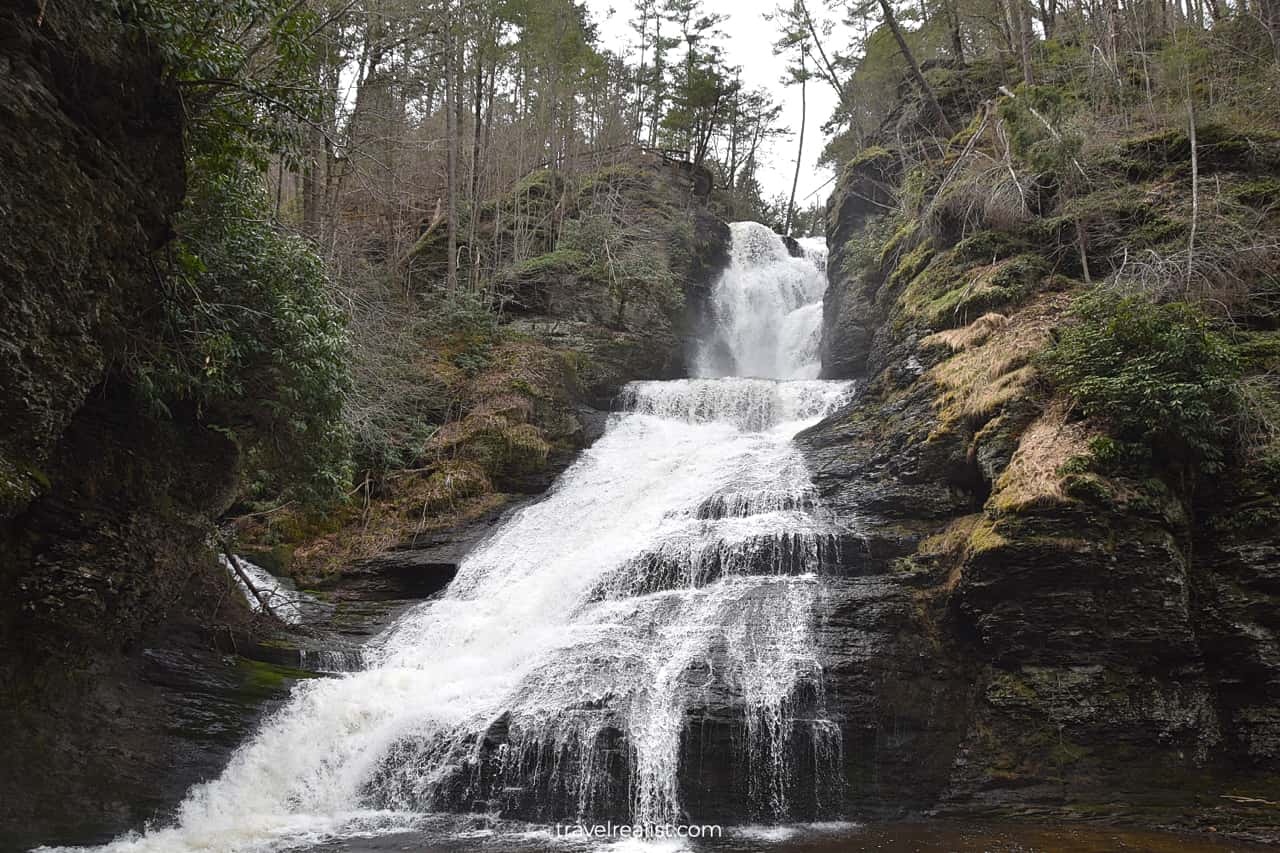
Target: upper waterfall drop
x,y
767,309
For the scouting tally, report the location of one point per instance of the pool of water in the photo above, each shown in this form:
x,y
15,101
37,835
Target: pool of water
x,y
926,837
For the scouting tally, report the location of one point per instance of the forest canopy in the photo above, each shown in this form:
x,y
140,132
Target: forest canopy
x,y
329,141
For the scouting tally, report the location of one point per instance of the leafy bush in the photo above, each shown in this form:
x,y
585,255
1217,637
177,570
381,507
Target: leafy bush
x,y
252,339
1042,149
1158,373
236,110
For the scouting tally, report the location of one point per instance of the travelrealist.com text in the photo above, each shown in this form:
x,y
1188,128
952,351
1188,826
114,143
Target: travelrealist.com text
x,y
629,830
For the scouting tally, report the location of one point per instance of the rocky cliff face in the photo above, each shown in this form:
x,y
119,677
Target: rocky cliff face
x,y
104,509
1024,634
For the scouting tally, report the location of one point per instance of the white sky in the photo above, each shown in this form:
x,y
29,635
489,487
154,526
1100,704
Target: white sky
x,y
749,43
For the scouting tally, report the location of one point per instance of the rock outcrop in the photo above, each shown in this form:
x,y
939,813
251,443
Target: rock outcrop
x,y
1029,633
109,588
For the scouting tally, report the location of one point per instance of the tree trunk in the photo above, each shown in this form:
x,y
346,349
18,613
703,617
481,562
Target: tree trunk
x,y
477,105
311,153
791,203
1049,17
1195,183
1269,10
832,77
734,132
655,90
952,10
926,91
451,102
1025,37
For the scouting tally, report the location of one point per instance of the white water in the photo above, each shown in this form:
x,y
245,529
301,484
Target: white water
x,y
676,561
279,594
768,309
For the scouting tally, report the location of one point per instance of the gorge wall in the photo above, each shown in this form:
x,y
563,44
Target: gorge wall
x,y
1015,625
1030,631
104,509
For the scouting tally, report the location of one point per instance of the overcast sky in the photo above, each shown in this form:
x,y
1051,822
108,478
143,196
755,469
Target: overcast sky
x,y
749,44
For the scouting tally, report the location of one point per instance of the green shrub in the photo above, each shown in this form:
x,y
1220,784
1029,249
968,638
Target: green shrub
x,y
253,340
1042,149
876,245
1158,373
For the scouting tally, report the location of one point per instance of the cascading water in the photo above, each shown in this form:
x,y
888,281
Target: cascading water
x,y
671,573
768,308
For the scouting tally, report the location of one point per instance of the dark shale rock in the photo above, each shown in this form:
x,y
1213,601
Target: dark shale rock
x,y
112,695
1104,655
91,154
419,568
864,190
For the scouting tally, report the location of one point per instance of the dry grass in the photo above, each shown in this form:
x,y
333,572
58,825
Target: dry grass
x,y
985,537
973,335
515,408
982,190
1033,477
952,539
1233,270
452,495
992,366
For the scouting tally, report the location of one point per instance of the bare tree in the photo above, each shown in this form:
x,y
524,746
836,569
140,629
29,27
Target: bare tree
x,y
926,91
804,77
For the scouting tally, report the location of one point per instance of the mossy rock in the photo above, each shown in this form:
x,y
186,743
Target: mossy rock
x,y
948,293
985,537
1114,219
904,238
266,680
454,480
557,262
1116,204
1262,193
875,154
956,144
1218,148
539,184
620,177
1087,487
945,82
497,445
275,559
989,246
911,266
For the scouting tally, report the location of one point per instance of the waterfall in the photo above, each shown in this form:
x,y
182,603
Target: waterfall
x,y
767,308
670,573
